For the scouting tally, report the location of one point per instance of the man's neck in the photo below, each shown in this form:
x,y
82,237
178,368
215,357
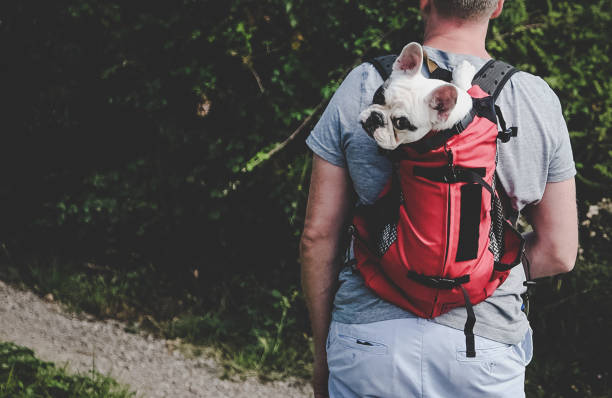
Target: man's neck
x,y
457,37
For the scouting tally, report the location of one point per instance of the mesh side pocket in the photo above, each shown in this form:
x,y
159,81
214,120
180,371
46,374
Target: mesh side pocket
x,y
386,224
386,237
496,234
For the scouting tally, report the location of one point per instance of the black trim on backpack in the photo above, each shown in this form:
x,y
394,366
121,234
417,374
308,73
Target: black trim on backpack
x,y
441,74
449,174
485,107
435,141
493,76
469,222
383,64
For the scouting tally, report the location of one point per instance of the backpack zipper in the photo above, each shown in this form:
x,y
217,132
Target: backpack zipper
x,y
451,167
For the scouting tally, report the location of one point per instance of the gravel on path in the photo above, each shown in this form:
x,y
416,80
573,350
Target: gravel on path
x,y
150,366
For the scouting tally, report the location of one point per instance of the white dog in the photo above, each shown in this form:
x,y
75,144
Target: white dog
x,y
408,105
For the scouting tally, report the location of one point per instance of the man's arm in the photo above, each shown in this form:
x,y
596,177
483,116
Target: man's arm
x,y
326,212
552,246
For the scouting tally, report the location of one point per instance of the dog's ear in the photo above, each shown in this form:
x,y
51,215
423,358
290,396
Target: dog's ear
x,y
443,99
410,59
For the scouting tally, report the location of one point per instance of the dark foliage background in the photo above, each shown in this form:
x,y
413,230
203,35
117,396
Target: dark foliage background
x,y
149,139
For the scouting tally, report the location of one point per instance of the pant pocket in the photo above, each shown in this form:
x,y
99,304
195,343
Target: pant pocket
x,y
362,344
485,350
359,363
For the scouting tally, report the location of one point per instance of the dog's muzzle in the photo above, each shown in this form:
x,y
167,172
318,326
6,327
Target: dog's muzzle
x,y
374,121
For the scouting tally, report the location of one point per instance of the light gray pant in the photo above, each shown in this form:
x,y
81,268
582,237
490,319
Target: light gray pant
x,y
416,357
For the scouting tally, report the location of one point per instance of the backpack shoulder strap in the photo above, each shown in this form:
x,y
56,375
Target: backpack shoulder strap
x,y
383,64
493,76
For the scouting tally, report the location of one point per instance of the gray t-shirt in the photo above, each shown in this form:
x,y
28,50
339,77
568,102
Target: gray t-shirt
x,y
540,154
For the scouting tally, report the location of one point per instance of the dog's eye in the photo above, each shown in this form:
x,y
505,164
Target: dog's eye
x,y
402,123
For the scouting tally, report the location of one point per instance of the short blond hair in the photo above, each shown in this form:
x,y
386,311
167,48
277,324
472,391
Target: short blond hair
x,y
465,9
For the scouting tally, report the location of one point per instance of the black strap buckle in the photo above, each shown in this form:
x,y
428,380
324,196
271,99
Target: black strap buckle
x,y
441,283
447,281
451,176
505,135
438,282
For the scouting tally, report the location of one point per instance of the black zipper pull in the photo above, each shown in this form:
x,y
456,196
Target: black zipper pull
x,y
452,175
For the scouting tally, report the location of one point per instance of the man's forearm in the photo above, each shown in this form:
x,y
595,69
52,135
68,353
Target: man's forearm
x,y
552,246
326,212
319,280
320,266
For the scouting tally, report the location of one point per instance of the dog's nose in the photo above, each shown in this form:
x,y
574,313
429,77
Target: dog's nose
x,y
374,121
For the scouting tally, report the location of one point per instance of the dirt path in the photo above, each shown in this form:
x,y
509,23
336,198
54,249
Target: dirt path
x,y
150,366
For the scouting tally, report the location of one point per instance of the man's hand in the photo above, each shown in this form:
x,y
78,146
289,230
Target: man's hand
x,y
326,212
320,376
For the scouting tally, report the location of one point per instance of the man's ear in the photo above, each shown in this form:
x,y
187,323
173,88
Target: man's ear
x,y
443,99
498,10
410,59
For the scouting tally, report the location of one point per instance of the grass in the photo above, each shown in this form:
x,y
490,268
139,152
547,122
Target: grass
x,y
256,332
24,375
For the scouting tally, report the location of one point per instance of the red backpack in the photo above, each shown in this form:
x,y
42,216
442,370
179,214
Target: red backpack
x,y
437,238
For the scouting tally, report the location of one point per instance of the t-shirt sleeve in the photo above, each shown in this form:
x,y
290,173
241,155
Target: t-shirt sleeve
x,y
561,166
327,137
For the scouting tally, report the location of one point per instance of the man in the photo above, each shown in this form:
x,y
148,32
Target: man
x,y
373,348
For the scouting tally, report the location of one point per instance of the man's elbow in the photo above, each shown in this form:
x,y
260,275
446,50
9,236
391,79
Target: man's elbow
x,y
564,258
311,238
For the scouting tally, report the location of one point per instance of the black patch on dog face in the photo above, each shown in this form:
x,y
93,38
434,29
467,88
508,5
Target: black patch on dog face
x,y
379,96
374,121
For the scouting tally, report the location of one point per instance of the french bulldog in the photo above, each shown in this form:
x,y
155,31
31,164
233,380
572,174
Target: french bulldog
x,y
408,106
